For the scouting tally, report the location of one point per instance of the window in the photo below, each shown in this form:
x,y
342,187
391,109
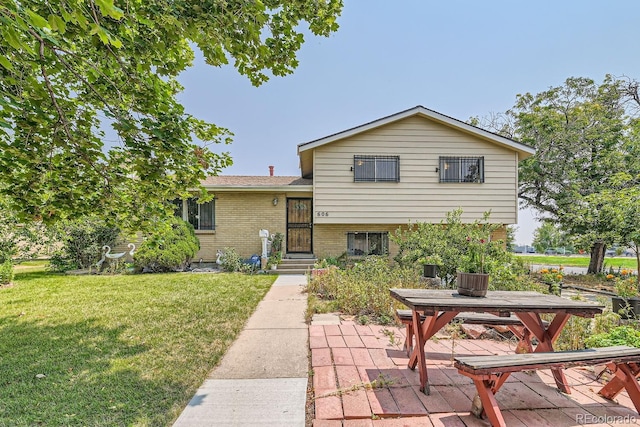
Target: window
x,y
461,169
201,216
365,243
376,169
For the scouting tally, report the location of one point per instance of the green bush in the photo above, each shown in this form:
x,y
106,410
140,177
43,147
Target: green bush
x,y
6,272
230,260
453,242
620,335
82,241
170,247
364,288
579,330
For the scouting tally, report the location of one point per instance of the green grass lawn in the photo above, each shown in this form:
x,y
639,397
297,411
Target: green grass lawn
x,y
115,350
580,261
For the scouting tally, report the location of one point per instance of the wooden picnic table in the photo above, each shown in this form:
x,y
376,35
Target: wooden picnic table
x,y
439,306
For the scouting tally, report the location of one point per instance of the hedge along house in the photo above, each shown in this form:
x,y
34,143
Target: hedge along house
x,y
360,185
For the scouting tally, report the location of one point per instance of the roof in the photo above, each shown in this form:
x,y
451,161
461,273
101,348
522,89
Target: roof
x,y
236,182
306,148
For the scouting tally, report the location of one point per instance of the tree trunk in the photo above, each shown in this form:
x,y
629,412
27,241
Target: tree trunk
x,y
597,257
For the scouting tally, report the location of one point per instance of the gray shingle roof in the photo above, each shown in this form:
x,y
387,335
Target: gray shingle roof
x,y
254,181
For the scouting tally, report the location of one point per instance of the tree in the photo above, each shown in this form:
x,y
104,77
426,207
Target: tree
x,y
549,235
579,132
69,70
617,210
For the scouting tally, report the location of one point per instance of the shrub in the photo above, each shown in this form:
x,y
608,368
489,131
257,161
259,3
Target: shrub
x,y
578,331
170,247
230,260
6,272
364,288
453,242
82,241
620,335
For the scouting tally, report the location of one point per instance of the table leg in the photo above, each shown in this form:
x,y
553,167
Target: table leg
x,y
423,331
489,403
616,384
625,376
546,337
418,351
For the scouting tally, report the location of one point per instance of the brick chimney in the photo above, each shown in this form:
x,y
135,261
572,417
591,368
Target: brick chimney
x,y
270,170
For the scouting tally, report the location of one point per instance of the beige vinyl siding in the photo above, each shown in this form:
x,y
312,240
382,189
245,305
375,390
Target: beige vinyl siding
x,y
418,196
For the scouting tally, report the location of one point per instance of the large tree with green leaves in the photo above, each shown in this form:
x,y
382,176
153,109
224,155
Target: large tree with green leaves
x,y
580,131
549,235
71,69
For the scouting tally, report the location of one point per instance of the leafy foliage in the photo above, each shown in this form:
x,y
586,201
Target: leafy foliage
x,y
549,235
20,240
460,246
620,335
171,247
626,284
71,70
232,262
364,288
616,210
82,242
6,272
584,134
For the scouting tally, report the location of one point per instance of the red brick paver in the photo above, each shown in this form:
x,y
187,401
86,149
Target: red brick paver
x,y
361,379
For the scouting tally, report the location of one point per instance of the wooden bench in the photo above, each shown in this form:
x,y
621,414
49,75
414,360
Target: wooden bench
x,y
512,322
490,372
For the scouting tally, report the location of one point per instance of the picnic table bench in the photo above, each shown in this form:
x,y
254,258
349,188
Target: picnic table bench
x,y
490,372
432,309
512,322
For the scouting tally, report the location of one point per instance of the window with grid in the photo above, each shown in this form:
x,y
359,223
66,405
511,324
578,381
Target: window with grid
x,y
376,168
367,243
462,169
200,215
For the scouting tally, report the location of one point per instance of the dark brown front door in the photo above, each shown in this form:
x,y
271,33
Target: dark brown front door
x,y
299,225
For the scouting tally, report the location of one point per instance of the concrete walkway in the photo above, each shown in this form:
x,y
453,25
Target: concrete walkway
x,y
262,379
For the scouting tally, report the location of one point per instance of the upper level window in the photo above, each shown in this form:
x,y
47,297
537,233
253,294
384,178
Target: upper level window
x,y
461,169
376,168
200,215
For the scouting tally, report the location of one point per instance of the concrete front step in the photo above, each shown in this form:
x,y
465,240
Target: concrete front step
x,y
290,271
295,265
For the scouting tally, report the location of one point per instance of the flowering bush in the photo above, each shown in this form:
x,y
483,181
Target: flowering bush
x,y
553,277
626,285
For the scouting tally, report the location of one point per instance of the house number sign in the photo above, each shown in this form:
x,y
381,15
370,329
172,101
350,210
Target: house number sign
x,y
322,213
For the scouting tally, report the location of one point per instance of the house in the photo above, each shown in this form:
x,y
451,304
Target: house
x,y
359,185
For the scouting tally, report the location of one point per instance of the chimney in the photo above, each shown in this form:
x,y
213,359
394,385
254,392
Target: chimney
x,y
270,170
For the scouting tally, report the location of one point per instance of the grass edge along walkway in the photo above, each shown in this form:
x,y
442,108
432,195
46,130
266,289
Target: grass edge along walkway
x,y
115,350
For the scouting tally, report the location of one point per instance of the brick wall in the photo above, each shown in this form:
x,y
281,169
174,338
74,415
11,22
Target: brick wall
x,y
330,240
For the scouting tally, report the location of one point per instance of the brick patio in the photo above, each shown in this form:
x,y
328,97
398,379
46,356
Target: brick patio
x,y
347,358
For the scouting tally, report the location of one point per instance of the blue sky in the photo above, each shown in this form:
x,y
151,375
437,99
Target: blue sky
x,y
460,58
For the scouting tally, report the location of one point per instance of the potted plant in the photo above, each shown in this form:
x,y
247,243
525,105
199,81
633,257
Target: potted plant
x,y
471,278
273,260
430,265
626,302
